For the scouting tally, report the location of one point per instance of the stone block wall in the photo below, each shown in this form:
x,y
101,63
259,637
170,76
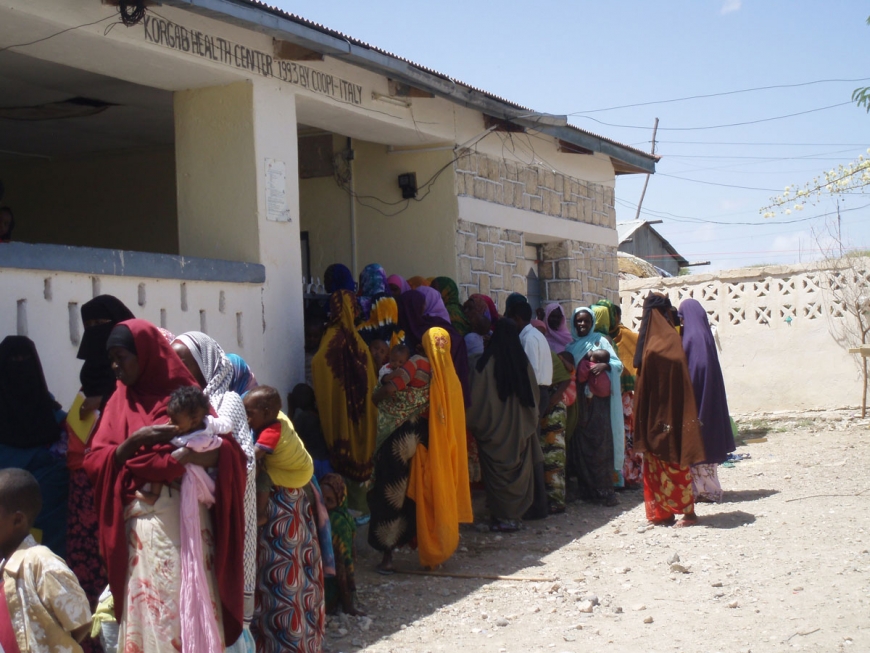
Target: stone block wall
x,y
491,260
533,188
579,274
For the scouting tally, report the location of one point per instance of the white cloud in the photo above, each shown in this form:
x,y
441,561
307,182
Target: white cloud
x,y
730,5
790,244
733,205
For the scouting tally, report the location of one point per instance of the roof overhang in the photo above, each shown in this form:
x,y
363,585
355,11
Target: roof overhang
x,y
282,25
626,236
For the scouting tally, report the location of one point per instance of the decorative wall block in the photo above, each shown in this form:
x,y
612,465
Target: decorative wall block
x,y
779,297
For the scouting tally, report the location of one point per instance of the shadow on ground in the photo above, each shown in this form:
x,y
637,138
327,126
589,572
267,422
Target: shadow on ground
x,y
733,519
397,600
738,496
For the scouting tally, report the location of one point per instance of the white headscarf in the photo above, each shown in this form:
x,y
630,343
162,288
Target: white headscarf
x,y
217,370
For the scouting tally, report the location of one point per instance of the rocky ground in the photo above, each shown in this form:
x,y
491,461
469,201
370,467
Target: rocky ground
x,y
782,564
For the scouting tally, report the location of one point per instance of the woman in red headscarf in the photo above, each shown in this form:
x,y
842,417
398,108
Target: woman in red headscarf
x,y
136,479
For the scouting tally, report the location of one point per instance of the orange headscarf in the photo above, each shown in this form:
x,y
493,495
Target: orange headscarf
x,y
439,474
416,282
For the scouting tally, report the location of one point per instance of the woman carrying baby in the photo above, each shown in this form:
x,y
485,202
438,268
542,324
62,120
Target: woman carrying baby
x,y
136,472
593,454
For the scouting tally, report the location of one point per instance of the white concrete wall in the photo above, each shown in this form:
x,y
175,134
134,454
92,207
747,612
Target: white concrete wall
x,y
44,306
769,363
217,182
415,237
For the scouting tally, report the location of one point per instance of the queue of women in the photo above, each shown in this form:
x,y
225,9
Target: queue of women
x,y
413,398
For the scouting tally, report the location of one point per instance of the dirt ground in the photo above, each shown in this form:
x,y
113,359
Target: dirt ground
x,y
774,567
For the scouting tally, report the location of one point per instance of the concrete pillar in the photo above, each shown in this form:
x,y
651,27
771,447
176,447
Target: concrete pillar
x,y
280,249
224,136
215,173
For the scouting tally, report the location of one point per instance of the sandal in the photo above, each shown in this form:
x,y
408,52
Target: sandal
x,y
504,526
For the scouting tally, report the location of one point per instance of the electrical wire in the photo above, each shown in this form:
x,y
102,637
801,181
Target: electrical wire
x,y
733,168
812,157
342,178
767,222
724,93
735,124
51,36
715,183
675,217
756,143
131,11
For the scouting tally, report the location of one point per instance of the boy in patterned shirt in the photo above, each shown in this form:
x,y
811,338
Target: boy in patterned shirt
x,y
43,609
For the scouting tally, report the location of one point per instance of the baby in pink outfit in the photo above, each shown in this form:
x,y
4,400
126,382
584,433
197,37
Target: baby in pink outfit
x,y
597,385
199,431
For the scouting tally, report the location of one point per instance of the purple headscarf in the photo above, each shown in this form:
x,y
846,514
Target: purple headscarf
x,y
399,282
707,382
561,337
434,303
415,321
338,277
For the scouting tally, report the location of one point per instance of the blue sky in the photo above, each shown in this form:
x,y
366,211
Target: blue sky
x,y
576,57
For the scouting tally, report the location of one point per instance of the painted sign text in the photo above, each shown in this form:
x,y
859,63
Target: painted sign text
x,y
191,41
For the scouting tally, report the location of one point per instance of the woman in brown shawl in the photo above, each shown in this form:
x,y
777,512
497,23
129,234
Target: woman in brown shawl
x,y
666,424
503,417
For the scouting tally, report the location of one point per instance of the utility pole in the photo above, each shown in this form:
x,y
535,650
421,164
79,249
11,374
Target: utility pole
x,y
839,227
646,181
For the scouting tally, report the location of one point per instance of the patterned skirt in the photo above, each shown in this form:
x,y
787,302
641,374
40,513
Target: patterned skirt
x,y
553,447
632,469
667,489
289,613
705,483
82,545
151,622
393,515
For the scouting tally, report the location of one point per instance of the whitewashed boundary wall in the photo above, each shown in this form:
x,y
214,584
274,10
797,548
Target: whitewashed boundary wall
x,y
44,306
780,331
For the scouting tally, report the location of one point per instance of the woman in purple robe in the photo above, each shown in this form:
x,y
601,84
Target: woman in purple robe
x,y
709,387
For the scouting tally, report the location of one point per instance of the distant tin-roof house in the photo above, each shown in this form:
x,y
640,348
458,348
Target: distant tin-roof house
x,y
640,239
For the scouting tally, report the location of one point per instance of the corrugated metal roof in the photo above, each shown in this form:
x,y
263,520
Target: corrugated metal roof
x,y
263,6
624,231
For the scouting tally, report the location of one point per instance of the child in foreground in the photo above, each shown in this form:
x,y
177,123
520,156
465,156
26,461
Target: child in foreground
x,y
597,385
282,458
198,431
380,351
399,355
411,374
43,608
340,589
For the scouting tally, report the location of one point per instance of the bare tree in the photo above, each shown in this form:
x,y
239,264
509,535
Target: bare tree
x,y
844,280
